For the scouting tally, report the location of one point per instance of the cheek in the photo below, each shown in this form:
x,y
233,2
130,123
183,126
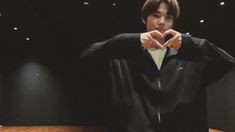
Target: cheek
x,y
152,23
150,27
169,24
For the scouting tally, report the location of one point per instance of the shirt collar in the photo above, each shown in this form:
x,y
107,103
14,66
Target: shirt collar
x,y
169,52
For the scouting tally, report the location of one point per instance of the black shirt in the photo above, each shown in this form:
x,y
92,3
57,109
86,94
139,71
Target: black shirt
x,y
145,99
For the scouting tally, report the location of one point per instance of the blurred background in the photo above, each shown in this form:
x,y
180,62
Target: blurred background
x,y
40,44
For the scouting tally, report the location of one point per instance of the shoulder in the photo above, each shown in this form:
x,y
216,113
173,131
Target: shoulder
x,y
194,41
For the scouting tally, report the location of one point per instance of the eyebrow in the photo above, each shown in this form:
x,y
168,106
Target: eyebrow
x,y
158,12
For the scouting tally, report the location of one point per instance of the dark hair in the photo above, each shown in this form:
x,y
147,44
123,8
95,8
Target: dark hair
x,y
150,6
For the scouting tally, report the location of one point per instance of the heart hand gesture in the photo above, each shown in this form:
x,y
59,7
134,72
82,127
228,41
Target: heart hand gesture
x,y
156,39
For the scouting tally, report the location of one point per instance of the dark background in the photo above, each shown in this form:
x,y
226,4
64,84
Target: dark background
x,y
39,77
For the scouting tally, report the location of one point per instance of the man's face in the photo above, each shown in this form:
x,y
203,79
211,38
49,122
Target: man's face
x,y
160,20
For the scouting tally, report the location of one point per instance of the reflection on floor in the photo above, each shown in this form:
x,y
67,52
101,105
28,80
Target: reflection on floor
x,y
59,129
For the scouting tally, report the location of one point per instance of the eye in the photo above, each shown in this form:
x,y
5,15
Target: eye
x,y
156,15
169,17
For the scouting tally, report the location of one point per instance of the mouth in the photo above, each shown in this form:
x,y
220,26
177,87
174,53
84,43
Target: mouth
x,y
161,30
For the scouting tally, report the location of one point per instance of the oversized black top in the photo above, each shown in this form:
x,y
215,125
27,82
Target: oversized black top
x,y
142,98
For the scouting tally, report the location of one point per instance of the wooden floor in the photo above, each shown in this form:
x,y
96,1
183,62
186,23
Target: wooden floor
x,y
51,129
59,129
213,130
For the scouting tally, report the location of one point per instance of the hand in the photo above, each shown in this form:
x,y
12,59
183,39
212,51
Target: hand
x,y
175,41
155,38
151,39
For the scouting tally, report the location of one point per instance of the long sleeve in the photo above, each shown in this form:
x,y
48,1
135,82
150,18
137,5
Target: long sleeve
x,y
94,73
120,45
211,52
218,62
94,58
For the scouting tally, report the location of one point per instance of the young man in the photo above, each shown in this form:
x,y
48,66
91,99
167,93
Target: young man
x,y
155,84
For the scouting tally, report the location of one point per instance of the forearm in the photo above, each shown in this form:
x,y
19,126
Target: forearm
x,y
122,44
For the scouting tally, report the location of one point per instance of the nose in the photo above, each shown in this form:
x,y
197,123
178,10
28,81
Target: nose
x,y
162,21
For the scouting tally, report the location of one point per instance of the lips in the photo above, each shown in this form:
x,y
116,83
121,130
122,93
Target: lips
x,y
161,30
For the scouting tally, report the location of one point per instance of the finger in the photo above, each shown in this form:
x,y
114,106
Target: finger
x,y
170,31
158,44
151,39
156,34
176,35
173,44
155,43
179,43
145,43
176,39
167,44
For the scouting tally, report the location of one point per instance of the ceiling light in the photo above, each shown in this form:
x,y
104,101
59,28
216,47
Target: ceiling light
x,y
222,3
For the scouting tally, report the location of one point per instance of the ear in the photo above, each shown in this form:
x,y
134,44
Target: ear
x,y
143,21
